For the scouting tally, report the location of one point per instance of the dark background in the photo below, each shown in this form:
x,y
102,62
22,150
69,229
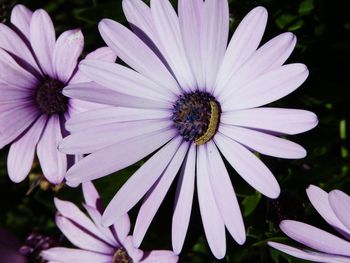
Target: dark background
x,y
323,31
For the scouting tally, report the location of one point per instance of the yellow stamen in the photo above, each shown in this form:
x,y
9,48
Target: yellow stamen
x,y
213,124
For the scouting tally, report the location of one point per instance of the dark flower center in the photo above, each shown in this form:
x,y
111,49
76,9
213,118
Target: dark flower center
x,y
196,115
121,256
49,97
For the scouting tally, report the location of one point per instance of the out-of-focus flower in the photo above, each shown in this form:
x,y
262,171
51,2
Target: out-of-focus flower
x,y
98,244
192,96
34,69
334,207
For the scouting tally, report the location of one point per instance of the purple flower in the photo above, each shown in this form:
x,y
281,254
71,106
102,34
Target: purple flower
x,y
195,99
334,207
34,69
9,248
98,244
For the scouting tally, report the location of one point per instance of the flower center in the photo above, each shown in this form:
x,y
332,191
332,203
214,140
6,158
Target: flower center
x,y
49,97
121,256
196,115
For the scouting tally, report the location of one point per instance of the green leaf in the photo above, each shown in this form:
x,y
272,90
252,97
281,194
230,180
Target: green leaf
x,y
306,7
250,203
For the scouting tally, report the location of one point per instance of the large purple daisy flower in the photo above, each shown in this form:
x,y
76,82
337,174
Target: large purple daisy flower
x,y
34,69
195,99
334,207
98,244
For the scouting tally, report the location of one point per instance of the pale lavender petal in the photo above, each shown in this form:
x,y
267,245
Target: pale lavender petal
x,y
13,94
183,200
117,157
124,80
243,44
53,163
69,255
42,39
286,121
21,154
248,166
190,19
268,88
11,42
265,59
213,223
157,194
225,195
96,93
102,136
214,37
21,17
81,238
13,74
91,196
136,54
320,201
140,182
111,115
167,25
74,214
135,253
309,255
340,203
68,48
264,143
122,227
160,256
315,238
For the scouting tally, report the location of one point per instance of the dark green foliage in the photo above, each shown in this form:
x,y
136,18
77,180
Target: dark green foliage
x,y
323,31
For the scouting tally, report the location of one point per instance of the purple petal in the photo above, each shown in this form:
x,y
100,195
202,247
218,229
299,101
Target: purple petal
x,y
320,201
190,19
21,17
268,88
136,54
167,25
111,115
161,256
117,157
42,39
315,238
11,42
81,238
264,143
214,38
213,223
286,121
124,80
340,203
243,44
157,194
308,255
91,196
13,94
265,59
53,163
248,166
140,182
69,255
21,154
224,194
183,200
122,227
68,48
135,253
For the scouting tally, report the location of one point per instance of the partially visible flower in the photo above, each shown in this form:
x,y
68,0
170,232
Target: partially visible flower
x,y
34,69
334,207
193,100
98,244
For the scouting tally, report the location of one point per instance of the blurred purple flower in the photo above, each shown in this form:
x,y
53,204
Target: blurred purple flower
x,y
334,207
9,248
34,69
98,244
192,96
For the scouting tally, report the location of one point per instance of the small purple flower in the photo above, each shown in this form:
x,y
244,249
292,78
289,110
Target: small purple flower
x,y
34,69
334,207
98,244
191,100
